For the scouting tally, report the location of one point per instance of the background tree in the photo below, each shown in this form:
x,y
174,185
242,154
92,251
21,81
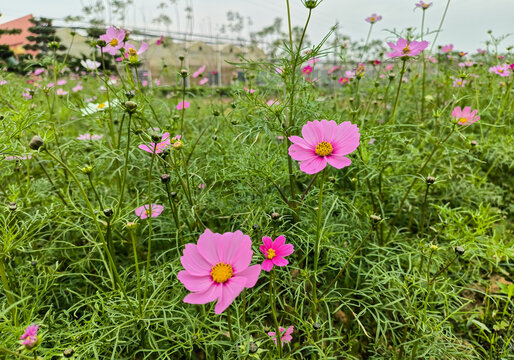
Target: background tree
x,y
43,33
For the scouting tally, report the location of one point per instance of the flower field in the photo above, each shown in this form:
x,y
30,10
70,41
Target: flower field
x,y
330,202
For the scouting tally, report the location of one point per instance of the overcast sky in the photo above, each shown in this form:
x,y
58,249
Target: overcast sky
x,y
466,24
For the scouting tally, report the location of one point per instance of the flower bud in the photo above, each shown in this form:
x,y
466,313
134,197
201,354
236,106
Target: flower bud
x,y
68,353
88,169
430,180
108,212
215,112
181,58
33,263
275,215
375,218
131,225
12,206
36,142
165,178
316,326
255,226
54,45
184,73
474,143
101,43
253,348
131,106
177,144
173,194
459,250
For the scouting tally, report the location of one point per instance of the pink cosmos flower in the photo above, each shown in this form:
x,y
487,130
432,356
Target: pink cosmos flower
x,y
159,147
423,5
334,68
29,337
199,72
465,116
388,67
249,91
218,267
18,158
154,210
114,39
285,335
433,60
77,87
324,142
3,82
88,136
480,51
307,70
61,82
350,74
273,102
183,105
279,69
502,70
160,40
275,251
459,82
313,60
373,18
447,48
26,94
130,50
204,81
511,66
39,71
144,83
404,48
61,92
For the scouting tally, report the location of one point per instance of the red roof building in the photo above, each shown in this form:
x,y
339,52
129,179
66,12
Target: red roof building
x,y
17,41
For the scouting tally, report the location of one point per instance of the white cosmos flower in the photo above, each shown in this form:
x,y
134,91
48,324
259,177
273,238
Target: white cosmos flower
x,y
90,64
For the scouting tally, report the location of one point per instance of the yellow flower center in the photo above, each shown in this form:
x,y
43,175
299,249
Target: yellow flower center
x,y
324,148
101,106
221,272
271,254
132,52
463,120
406,50
372,19
148,211
114,42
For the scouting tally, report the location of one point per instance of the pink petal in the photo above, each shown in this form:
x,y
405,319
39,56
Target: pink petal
x,y
194,283
328,130
251,274
299,141
267,265
279,261
346,140
313,165
235,249
311,132
299,153
267,241
457,112
194,262
279,241
209,295
229,292
338,161
285,250
143,48
208,246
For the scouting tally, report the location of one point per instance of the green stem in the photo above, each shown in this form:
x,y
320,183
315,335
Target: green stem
x,y
316,246
111,123
273,297
138,277
149,250
125,165
229,320
423,212
402,71
440,25
7,290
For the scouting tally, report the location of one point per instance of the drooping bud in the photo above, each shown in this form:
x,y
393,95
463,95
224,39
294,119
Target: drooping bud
x,y
165,178
36,142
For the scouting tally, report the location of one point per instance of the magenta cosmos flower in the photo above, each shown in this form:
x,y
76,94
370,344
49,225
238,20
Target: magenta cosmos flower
x,y
307,70
218,267
199,71
373,18
324,142
29,337
465,116
183,105
285,335
275,251
447,48
114,39
404,48
154,210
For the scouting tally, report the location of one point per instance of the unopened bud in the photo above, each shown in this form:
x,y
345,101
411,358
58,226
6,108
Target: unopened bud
x,y
181,58
165,178
68,353
459,250
108,212
275,215
255,226
36,142
131,106
215,112
184,73
101,43
173,194
316,326
375,218
430,180
12,206
253,348
88,169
